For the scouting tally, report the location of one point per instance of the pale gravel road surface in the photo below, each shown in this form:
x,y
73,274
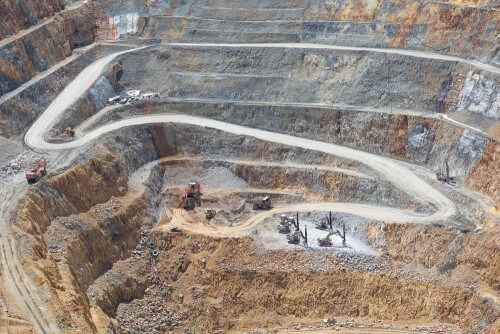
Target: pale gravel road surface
x,y
389,169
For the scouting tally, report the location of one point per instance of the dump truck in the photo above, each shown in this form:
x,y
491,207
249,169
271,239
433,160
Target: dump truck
x,y
36,173
68,133
192,195
262,203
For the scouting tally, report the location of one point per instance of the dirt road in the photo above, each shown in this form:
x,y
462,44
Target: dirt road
x,y
389,169
15,280
393,171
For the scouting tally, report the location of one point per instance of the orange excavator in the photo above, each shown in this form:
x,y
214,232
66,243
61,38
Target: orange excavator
x,y
192,195
37,173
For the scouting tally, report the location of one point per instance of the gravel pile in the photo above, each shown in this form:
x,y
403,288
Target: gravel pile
x,y
150,314
326,260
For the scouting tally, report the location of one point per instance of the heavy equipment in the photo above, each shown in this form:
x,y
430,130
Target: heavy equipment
x,y
326,241
322,225
68,133
284,228
294,238
284,225
192,195
209,214
37,173
262,203
445,177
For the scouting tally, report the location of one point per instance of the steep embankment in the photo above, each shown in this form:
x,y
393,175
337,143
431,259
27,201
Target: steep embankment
x,y
19,108
465,28
37,50
209,283
19,15
484,176
412,138
67,194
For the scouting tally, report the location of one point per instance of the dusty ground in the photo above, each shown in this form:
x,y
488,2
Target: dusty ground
x,y
342,107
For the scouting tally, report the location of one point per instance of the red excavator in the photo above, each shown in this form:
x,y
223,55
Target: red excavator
x,y
37,173
192,195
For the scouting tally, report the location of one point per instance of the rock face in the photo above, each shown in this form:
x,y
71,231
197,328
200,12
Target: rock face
x,y
54,258
17,15
92,101
20,110
24,57
480,95
483,175
414,139
241,283
465,28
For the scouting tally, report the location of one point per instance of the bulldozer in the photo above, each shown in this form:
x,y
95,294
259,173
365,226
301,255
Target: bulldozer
x,y
37,173
192,195
262,203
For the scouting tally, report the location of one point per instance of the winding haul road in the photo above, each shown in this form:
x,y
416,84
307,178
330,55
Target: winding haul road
x,y
393,171
390,169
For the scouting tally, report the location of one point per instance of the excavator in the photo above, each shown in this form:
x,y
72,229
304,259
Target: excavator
x,y
192,195
327,242
37,173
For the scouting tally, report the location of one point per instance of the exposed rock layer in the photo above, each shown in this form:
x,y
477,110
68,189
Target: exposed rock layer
x,y
18,15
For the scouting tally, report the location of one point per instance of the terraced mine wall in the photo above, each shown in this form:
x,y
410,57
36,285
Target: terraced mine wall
x,y
48,44
92,101
88,204
463,28
337,78
19,15
421,140
19,111
458,28
447,250
323,185
249,288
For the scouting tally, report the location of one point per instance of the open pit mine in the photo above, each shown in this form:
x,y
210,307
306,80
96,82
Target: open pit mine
x,y
249,166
